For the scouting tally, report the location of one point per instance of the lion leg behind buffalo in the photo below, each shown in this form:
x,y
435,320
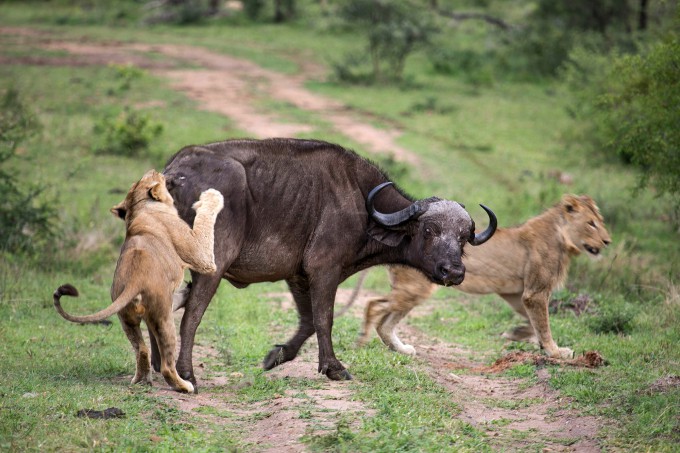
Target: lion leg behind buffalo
x,y
387,332
376,309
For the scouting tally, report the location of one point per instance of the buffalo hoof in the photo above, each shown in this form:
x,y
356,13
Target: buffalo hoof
x,y
275,357
156,363
339,375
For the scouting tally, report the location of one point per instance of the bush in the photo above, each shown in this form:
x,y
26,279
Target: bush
x,y
26,218
629,105
394,28
127,134
614,316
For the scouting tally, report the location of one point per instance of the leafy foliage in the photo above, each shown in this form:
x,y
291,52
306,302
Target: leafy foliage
x,y
394,28
631,104
25,216
127,134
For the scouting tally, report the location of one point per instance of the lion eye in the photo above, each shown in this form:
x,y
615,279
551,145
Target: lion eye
x,y
592,224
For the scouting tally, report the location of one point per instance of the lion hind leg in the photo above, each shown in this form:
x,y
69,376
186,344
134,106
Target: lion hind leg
x,y
164,332
131,326
375,311
387,333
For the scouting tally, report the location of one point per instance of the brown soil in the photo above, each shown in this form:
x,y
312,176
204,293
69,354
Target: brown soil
x,y
236,88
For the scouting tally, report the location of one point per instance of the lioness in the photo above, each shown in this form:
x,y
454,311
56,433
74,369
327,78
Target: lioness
x,y
158,247
523,265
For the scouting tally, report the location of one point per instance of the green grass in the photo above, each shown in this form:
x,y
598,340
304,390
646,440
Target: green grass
x,y
492,144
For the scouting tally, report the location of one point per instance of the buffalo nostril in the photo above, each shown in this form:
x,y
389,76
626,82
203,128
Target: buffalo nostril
x,y
444,270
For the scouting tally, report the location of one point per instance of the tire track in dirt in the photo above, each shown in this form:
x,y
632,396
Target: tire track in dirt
x,y
225,85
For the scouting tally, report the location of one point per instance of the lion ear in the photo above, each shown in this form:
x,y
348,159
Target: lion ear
x,y
570,202
119,210
155,191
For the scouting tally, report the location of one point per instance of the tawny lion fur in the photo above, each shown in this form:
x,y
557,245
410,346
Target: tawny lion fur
x,y
523,265
158,247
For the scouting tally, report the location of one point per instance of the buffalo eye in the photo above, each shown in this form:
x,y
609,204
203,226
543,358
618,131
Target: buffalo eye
x,y
428,231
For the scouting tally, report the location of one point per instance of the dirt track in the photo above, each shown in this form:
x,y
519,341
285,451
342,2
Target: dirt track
x,y
233,87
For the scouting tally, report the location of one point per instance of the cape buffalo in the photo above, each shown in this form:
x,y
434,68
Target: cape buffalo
x,y
310,213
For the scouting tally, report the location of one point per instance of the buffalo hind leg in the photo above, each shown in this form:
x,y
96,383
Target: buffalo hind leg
x,y
155,353
202,291
299,288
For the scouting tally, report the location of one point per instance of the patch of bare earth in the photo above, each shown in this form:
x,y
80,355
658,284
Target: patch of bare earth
x,y
514,416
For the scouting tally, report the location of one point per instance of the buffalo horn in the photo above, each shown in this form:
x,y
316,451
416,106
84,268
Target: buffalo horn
x,y
481,238
394,218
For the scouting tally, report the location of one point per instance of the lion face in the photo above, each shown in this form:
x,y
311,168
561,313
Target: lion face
x,y
150,188
585,227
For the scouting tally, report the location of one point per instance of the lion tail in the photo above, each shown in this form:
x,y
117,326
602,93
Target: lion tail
x,y
121,302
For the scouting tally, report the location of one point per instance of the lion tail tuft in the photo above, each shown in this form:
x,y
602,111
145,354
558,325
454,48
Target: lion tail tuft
x,y
65,290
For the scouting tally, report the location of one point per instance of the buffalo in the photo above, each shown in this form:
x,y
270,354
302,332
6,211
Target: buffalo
x,y
311,213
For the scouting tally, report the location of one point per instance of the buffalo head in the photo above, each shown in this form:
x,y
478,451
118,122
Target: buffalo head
x,y
431,234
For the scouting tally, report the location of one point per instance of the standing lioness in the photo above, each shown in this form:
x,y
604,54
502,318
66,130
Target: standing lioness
x,y
523,265
158,247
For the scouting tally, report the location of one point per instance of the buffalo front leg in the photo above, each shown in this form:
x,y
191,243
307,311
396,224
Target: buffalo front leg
x,y
202,291
536,306
323,298
299,288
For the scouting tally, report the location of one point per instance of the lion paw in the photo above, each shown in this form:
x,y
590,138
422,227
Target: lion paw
x,y
211,200
565,353
407,349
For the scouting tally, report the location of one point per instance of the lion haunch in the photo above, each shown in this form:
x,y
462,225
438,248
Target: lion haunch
x,y
158,247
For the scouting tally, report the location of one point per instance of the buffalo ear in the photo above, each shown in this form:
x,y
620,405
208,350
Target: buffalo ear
x,y
119,210
391,238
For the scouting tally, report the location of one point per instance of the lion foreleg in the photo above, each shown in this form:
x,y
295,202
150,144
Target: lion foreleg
x,y
536,306
197,247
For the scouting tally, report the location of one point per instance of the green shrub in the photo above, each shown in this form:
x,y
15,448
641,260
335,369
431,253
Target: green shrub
x,y
26,216
127,134
629,107
613,316
394,28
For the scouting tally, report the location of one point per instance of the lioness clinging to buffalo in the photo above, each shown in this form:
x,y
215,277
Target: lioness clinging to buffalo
x,y
158,247
523,265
